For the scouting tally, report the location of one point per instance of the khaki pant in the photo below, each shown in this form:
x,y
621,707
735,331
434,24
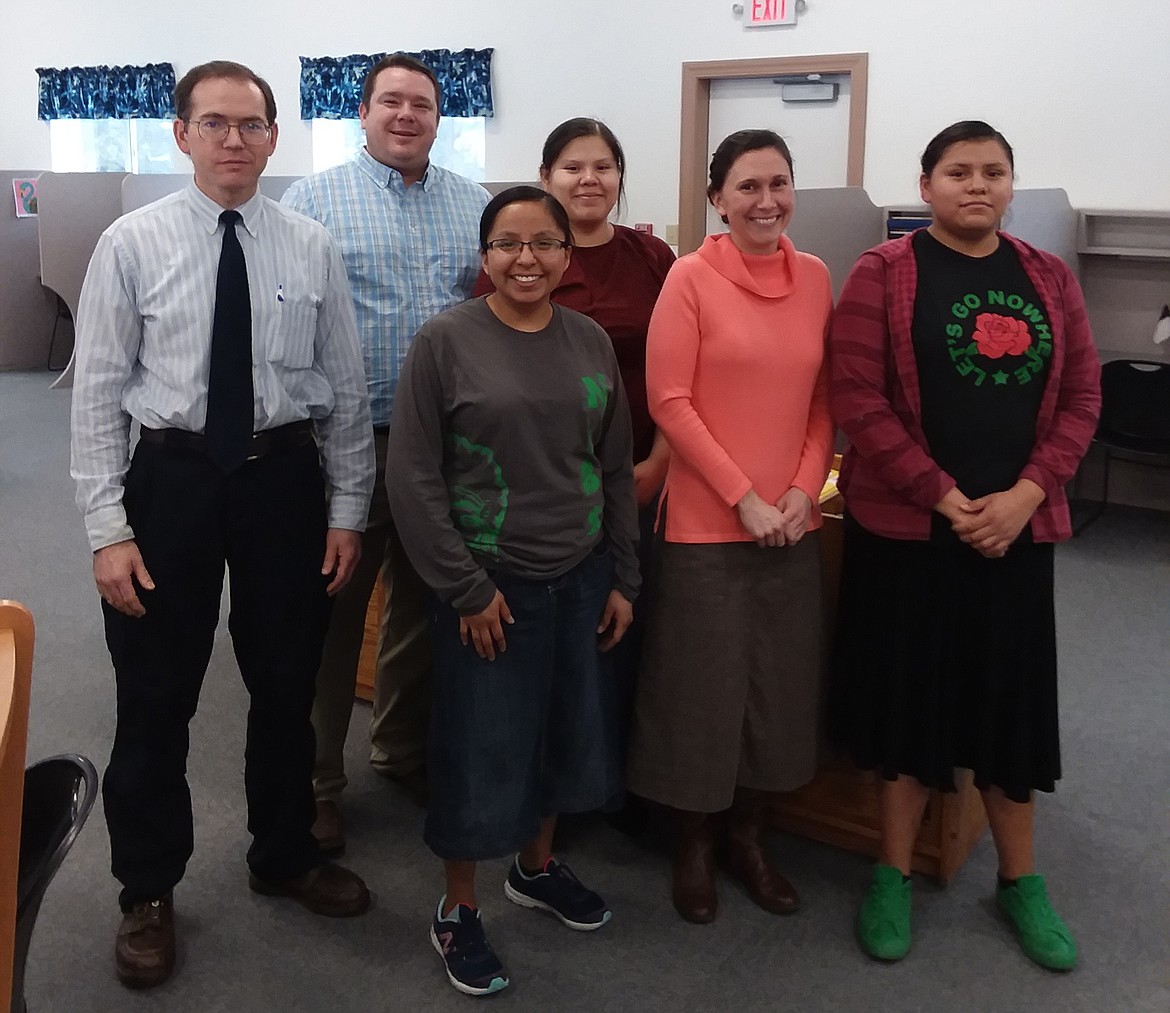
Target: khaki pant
x,y
402,680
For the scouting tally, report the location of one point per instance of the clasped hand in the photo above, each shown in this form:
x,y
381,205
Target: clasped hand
x,y
990,524
784,523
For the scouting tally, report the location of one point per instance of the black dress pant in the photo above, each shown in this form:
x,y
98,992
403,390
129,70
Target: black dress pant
x,y
266,521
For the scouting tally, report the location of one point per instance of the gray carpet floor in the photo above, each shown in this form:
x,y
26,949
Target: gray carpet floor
x,y
1102,839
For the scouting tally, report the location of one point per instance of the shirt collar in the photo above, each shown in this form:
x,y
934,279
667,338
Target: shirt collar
x,y
207,211
385,175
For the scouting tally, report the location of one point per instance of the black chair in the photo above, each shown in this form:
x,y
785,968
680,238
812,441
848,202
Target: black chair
x,y
1135,419
58,795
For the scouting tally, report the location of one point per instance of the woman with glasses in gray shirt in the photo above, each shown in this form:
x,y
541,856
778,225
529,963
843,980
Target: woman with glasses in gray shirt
x,y
511,481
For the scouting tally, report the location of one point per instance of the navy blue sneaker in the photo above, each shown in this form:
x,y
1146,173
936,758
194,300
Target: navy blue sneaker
x,y
472,966
556,889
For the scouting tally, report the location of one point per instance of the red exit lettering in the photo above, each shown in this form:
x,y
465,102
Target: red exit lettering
x,y
768,11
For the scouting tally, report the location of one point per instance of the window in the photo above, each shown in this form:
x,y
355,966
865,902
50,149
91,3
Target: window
x,y
460,145
135,145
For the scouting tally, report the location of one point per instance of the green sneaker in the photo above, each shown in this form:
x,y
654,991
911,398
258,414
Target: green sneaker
x,y
1043,935
883,924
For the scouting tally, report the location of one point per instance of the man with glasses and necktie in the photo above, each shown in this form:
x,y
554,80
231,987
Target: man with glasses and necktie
x,y
223,324
408,232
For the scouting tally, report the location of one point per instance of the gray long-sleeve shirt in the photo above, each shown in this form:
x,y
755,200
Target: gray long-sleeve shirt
x,y
511,451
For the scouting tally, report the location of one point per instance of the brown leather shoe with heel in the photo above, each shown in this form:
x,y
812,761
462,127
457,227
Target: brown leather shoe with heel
x,y
144,950
326,890
693,888
749,860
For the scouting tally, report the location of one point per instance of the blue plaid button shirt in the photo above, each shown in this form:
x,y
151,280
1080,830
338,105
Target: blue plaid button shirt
x,y
409,252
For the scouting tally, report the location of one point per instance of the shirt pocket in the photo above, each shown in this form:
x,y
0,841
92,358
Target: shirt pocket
x,y
294,333
456,271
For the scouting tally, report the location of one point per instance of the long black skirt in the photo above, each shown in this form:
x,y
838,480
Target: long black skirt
x,y
945,659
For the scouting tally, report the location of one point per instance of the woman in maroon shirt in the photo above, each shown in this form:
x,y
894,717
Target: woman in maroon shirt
x,y
964,375
614,277
615,274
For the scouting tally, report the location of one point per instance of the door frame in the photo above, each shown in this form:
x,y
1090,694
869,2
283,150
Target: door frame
x,y
696,121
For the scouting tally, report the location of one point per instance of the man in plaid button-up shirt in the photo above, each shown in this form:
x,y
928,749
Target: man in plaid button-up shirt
x,y
408,231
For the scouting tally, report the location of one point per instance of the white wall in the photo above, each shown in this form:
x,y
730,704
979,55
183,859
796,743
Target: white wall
x,y
1078,86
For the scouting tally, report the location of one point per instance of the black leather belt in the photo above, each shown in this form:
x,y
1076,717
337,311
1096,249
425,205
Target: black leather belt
x,y
295,434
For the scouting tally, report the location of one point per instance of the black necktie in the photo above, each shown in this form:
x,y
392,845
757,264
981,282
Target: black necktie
x,y
229,385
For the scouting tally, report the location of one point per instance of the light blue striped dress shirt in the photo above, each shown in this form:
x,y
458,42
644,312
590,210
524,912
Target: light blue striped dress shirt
x,y
143,348
410,252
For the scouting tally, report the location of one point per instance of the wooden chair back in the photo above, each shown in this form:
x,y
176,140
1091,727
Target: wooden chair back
x,y
16,651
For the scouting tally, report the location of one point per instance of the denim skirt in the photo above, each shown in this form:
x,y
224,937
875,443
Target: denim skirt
x,y
528,735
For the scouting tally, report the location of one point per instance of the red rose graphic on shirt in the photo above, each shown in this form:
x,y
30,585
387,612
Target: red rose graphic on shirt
x,y
997,336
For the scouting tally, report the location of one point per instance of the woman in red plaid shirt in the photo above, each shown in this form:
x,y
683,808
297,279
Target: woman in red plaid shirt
x,y
964,375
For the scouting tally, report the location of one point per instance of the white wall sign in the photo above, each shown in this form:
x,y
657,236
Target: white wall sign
x,y
764,13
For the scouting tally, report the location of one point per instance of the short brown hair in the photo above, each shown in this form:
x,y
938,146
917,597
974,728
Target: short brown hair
x,y
221,68
407,63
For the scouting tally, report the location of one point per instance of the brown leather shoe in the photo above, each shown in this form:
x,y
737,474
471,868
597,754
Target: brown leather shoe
x,y
144,951
749,860
326,890
329,828
693,888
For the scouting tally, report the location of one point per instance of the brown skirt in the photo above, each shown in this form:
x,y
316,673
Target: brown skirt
x,y
730,688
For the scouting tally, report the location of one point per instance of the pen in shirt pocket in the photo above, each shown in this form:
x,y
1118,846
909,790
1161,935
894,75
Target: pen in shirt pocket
x,y
280,293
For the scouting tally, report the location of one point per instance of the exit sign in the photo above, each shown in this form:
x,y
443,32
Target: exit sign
x,y
762,13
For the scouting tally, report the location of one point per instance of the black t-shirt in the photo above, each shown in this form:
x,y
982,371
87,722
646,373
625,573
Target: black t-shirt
x,y
983,346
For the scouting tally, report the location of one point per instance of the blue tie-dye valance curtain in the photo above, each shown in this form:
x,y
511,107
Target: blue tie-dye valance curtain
x,y
331,86
107,93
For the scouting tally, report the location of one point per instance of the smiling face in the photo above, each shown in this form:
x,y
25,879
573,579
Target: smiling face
x,y
228,171
585,178
524,280
401,121
969,189
756,200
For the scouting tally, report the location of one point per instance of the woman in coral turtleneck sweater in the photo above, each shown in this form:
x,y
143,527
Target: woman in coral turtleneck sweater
x,y
727,706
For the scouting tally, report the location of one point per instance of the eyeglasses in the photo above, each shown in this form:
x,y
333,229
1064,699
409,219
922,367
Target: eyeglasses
x,y
514,246
216,130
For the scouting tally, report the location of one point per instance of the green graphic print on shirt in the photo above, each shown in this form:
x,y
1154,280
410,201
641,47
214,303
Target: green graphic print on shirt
x,y
479,515
992,327
597,390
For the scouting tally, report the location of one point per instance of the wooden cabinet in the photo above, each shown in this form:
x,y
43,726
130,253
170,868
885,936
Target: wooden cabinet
x,y
840,806
367,662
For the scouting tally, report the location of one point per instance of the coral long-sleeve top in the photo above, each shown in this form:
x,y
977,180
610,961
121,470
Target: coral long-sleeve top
x,y
736,379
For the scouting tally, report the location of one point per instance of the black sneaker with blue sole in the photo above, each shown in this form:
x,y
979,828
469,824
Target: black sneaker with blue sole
x,y
557,890
472,966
